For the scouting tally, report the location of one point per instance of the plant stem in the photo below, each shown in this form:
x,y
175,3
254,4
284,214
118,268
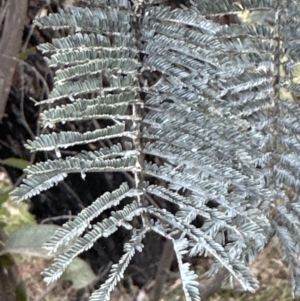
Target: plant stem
x,y
164,266
10,45
213,286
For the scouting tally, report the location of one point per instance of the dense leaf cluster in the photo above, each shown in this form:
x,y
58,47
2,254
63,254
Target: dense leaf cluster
x,y
221,124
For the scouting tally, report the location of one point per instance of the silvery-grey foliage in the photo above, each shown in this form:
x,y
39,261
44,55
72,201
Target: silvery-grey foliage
x,y
221,123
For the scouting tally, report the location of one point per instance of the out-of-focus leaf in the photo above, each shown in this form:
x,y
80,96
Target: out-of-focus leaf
x,y
15,216
17,163
21,294
80,273
4,215
3,198
30,240
6,261
4,187
25,54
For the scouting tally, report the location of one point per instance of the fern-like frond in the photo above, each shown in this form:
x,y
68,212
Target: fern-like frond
x,y
201,242
220,124
114,151
89,109
290,250
55,141
209,8
190,206
101,229
189,278
118,269
34,185
90,85
80,44
45,175
96,66
73,229
78,165
112,3
201,161
83,54
85,19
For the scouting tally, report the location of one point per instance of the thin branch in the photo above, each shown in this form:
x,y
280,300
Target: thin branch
x,y
10,45
213,286
56,218
2,12
164,266
30,67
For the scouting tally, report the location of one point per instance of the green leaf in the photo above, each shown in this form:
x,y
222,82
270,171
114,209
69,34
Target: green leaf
x,y
15,216
17,163
30,240
6,261
4,186
25,54
4,214
80,273
3,198
21,294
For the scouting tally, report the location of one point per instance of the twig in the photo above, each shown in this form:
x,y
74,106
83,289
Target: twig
x,y
73,194
32,68
2,12
213,286
56,218
164,266
103,272
10,45
22,117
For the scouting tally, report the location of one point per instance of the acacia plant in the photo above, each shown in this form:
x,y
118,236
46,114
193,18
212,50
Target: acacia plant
x,y
220,124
